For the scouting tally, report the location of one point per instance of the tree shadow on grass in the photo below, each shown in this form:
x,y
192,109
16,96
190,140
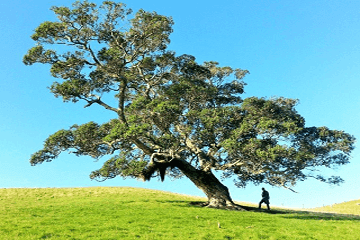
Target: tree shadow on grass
x,y
293,214
172,201
241,207
307,215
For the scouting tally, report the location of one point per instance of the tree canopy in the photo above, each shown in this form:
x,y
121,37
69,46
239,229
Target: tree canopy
x,y
175,117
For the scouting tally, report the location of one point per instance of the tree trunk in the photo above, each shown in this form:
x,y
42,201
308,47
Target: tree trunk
x,y
218,194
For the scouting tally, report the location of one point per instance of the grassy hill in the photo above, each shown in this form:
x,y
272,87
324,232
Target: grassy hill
x,y
351,207
132,213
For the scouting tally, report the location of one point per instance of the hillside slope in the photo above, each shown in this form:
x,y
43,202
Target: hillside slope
x,y
135,213
350,207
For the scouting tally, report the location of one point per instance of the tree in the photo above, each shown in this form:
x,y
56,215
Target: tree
x,y
175,117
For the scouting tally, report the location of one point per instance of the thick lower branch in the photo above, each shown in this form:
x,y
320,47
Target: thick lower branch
x,y
218,195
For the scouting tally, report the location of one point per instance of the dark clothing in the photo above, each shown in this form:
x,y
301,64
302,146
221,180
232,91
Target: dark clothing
x,y
265,195
265,199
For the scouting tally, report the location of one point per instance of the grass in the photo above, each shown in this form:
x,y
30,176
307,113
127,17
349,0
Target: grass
x,y
133,213
351,207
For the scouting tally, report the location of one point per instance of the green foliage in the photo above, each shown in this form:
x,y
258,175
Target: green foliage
x,y
38,54
130,213
170,108
156,27
125,166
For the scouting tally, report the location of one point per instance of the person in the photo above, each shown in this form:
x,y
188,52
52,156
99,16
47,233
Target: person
x,y
265,199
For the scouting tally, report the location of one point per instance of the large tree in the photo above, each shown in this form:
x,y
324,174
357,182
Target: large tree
x,y
175,117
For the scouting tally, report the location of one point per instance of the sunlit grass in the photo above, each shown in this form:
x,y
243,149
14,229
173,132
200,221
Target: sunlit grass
x,y
132,213
351,207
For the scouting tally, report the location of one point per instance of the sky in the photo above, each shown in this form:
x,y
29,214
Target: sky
x,y
303,49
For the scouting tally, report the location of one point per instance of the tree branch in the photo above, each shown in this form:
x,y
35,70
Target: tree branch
x,y
204,158
142,146
122,92
101,103
88,48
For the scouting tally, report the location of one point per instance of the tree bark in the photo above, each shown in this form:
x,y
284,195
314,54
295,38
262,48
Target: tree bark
x,y
218,194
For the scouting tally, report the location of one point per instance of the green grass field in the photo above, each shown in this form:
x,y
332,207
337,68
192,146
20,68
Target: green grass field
x,y
132,213
351,207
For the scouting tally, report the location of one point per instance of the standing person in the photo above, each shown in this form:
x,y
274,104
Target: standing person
x,y
265,199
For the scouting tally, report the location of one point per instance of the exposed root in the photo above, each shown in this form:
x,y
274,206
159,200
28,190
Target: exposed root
x,y
232,206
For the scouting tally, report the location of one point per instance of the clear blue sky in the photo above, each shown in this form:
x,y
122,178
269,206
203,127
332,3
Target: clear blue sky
x,y
304,49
